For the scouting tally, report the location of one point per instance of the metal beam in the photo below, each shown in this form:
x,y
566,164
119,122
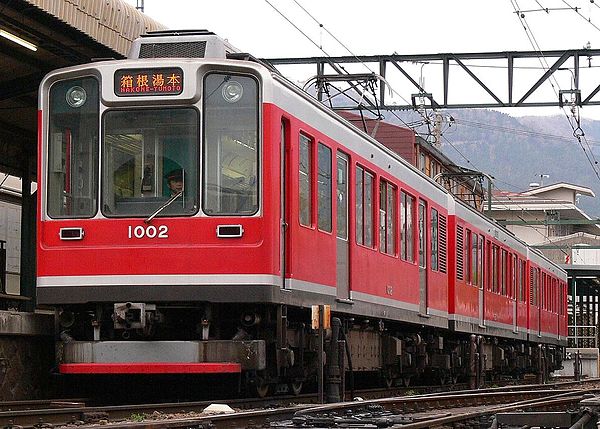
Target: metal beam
x,y
513,64
564,246
550,222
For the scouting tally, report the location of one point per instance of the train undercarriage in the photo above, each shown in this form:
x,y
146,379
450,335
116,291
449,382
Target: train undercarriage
x,y
274,349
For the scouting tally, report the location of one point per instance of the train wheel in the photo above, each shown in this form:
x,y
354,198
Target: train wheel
x,y
261,387
295,387
389,381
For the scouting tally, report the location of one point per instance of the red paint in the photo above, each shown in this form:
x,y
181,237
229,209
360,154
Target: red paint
x,y
150,368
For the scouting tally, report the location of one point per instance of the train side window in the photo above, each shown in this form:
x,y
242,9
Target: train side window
x,y
494,268
387,216
359,206
304,178
324,188
407,214
489,263
521,280
364,207
480,258
368,193
434,240
342,196
504,273
513,283
474,260
535,287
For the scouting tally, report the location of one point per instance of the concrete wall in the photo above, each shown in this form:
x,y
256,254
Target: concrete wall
x,y
559,194
10,231
26,355
589,362
558,255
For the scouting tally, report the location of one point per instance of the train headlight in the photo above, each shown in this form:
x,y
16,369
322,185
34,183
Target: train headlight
x,y
76,96
66,318
232,91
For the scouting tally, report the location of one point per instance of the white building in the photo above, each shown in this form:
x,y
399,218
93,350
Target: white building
x,y
533,216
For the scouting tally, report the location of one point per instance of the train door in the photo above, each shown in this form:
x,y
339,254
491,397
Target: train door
x,y
541,298
483,278
423,256
513,295
343,248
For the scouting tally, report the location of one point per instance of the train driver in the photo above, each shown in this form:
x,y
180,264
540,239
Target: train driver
x,y
175,181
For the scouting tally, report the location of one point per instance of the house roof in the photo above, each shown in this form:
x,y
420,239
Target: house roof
x,y
582,190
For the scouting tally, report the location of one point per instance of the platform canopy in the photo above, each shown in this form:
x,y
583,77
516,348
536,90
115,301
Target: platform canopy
x,y
37,36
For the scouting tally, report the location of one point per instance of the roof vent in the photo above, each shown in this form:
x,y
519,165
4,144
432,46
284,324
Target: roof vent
x,y
180,44
534,185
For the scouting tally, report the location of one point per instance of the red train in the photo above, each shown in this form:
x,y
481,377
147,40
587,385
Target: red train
x,y
191,210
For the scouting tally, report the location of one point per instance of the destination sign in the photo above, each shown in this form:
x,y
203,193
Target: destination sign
x,y
163,81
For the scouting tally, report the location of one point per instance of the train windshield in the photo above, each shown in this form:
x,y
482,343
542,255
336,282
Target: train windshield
x,y
73,149
230,155
148,157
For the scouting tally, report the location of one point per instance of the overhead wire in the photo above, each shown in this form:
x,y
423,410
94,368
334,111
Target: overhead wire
x,y
577,132
576,10
523,132
322,26
546,237
297,28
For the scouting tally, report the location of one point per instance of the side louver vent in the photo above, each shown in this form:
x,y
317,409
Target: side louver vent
x,y
442,243
181,44
459,252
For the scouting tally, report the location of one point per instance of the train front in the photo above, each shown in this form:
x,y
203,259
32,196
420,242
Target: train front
x,y
153,243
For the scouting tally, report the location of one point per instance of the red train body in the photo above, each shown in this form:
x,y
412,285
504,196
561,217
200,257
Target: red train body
x,y
285,205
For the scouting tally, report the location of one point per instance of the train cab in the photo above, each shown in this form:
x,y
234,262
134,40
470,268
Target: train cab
x,y
156,202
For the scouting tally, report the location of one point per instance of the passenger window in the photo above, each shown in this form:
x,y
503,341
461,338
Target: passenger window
x,y
434,240
387,216
481,264
503,266
364,207
304,176
342,196
407,214
324,188
495,288
368,193
359,206
474,261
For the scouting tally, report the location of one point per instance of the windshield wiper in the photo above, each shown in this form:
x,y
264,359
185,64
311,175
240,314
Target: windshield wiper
x,y
164,206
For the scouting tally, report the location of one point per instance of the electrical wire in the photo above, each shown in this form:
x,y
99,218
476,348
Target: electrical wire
x,y
544,62
576,10
546,237
322,26
297,28
522,132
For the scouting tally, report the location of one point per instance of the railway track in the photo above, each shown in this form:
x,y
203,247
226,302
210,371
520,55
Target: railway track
x,y
291,410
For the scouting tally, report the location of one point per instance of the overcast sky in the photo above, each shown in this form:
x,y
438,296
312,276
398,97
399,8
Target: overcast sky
x,y
388,26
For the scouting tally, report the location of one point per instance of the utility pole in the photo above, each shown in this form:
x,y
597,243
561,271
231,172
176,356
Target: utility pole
x,y
437,129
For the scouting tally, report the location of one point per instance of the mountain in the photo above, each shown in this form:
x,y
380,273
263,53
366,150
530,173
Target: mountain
x,y
516,151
